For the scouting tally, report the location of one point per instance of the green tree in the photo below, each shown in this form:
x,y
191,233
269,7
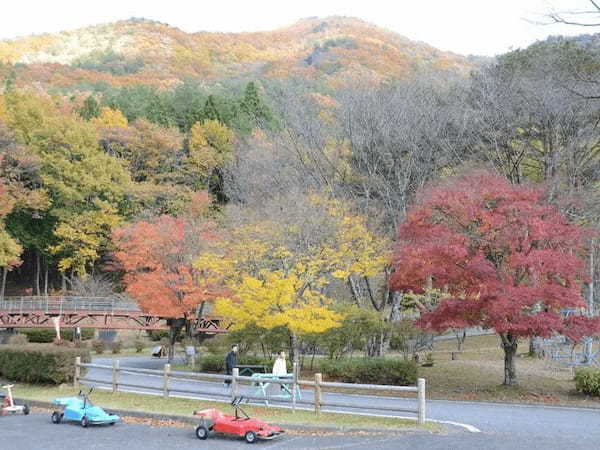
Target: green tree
x,y
211,112
90,108
254,107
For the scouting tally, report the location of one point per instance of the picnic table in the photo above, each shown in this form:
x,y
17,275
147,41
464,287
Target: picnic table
x,y
264,380
249,370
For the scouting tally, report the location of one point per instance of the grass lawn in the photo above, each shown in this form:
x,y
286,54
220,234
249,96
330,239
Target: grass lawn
x,y
185,407
479,372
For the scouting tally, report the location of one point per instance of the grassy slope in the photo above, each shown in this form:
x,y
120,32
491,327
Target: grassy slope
x,y
478,375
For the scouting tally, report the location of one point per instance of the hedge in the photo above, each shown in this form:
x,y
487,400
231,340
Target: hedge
x,y
371,371
216,363
587,381
47,335
40,363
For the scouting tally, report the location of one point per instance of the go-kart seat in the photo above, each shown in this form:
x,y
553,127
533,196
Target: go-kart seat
x,y
213,414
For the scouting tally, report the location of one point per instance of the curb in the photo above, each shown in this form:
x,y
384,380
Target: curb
x,y
292,426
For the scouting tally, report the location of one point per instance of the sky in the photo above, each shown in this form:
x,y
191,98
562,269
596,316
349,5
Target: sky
x,y
478,27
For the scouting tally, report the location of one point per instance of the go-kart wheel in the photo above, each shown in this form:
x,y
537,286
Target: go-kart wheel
x,y
56,417
26,410
250,437
201,432
84,422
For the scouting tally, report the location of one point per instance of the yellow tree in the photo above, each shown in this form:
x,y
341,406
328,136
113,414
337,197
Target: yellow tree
x,y
210,146
110,118
279,271
86,188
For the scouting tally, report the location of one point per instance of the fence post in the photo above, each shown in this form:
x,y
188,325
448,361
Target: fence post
x,y
294,385
421,394
234,383
115,376
166,376
318,381
77,372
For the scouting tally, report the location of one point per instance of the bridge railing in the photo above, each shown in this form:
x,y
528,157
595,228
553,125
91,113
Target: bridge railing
x,y
59,304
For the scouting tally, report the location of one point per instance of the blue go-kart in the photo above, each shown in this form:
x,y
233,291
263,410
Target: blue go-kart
x,y
80,409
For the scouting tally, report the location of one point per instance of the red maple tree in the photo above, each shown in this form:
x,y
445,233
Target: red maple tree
x,y
508,259
157,258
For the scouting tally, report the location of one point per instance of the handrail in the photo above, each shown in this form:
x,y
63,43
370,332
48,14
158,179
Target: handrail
x,y
59,304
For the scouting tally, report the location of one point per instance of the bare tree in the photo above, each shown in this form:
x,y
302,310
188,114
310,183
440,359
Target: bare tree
x,y
582,17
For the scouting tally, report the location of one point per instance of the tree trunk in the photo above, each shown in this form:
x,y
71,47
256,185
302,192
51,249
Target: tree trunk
x,y
3,289
45,278
460,338
509,345
173,331
38,270
294,347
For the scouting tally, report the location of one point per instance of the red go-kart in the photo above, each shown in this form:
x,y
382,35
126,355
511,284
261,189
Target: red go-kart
x,y
240,425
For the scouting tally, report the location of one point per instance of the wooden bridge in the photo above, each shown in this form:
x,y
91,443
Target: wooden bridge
x,y
88,312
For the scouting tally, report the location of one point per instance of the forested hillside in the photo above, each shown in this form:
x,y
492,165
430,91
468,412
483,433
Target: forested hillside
x,y
270,167
332,51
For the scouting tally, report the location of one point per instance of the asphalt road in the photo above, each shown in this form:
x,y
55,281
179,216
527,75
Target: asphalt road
x,y
504,425
36,432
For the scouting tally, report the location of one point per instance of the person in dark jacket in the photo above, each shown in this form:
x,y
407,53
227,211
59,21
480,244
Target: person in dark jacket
x,y
231,362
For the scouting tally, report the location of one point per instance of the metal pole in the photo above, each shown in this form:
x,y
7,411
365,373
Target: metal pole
x,y
77,372
318,400
589,342
294,386
115,376
421,395
166,375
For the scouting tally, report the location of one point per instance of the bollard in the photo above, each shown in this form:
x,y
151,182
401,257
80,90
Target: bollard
x,y
318,381
166,375
421,394
115,376
77,372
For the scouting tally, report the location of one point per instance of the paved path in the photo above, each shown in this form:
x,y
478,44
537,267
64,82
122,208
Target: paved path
x,y
541,423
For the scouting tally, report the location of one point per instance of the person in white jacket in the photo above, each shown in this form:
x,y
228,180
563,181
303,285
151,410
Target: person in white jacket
x,y
280,366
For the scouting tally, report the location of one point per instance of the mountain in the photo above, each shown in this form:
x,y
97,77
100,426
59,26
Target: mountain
x,y
334,50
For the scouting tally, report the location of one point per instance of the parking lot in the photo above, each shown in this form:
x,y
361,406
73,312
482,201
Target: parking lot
x,y
35,432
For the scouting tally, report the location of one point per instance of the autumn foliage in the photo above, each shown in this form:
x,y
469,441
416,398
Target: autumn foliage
x,y
509,260
157,257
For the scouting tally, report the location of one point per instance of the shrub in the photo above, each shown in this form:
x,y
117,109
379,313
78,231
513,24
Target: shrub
x,y
99,346
18,339
116,347
139,345
81,344
216,363
47,335
587,381
159,335
40,363
371,371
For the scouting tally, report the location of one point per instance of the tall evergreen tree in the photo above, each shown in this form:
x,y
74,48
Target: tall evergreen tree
x,y
211,112
254,107
90,108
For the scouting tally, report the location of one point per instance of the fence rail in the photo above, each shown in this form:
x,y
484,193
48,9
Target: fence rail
x,y
59,304
318,400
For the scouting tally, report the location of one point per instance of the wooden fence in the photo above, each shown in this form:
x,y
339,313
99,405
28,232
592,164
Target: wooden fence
x,y
318,386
